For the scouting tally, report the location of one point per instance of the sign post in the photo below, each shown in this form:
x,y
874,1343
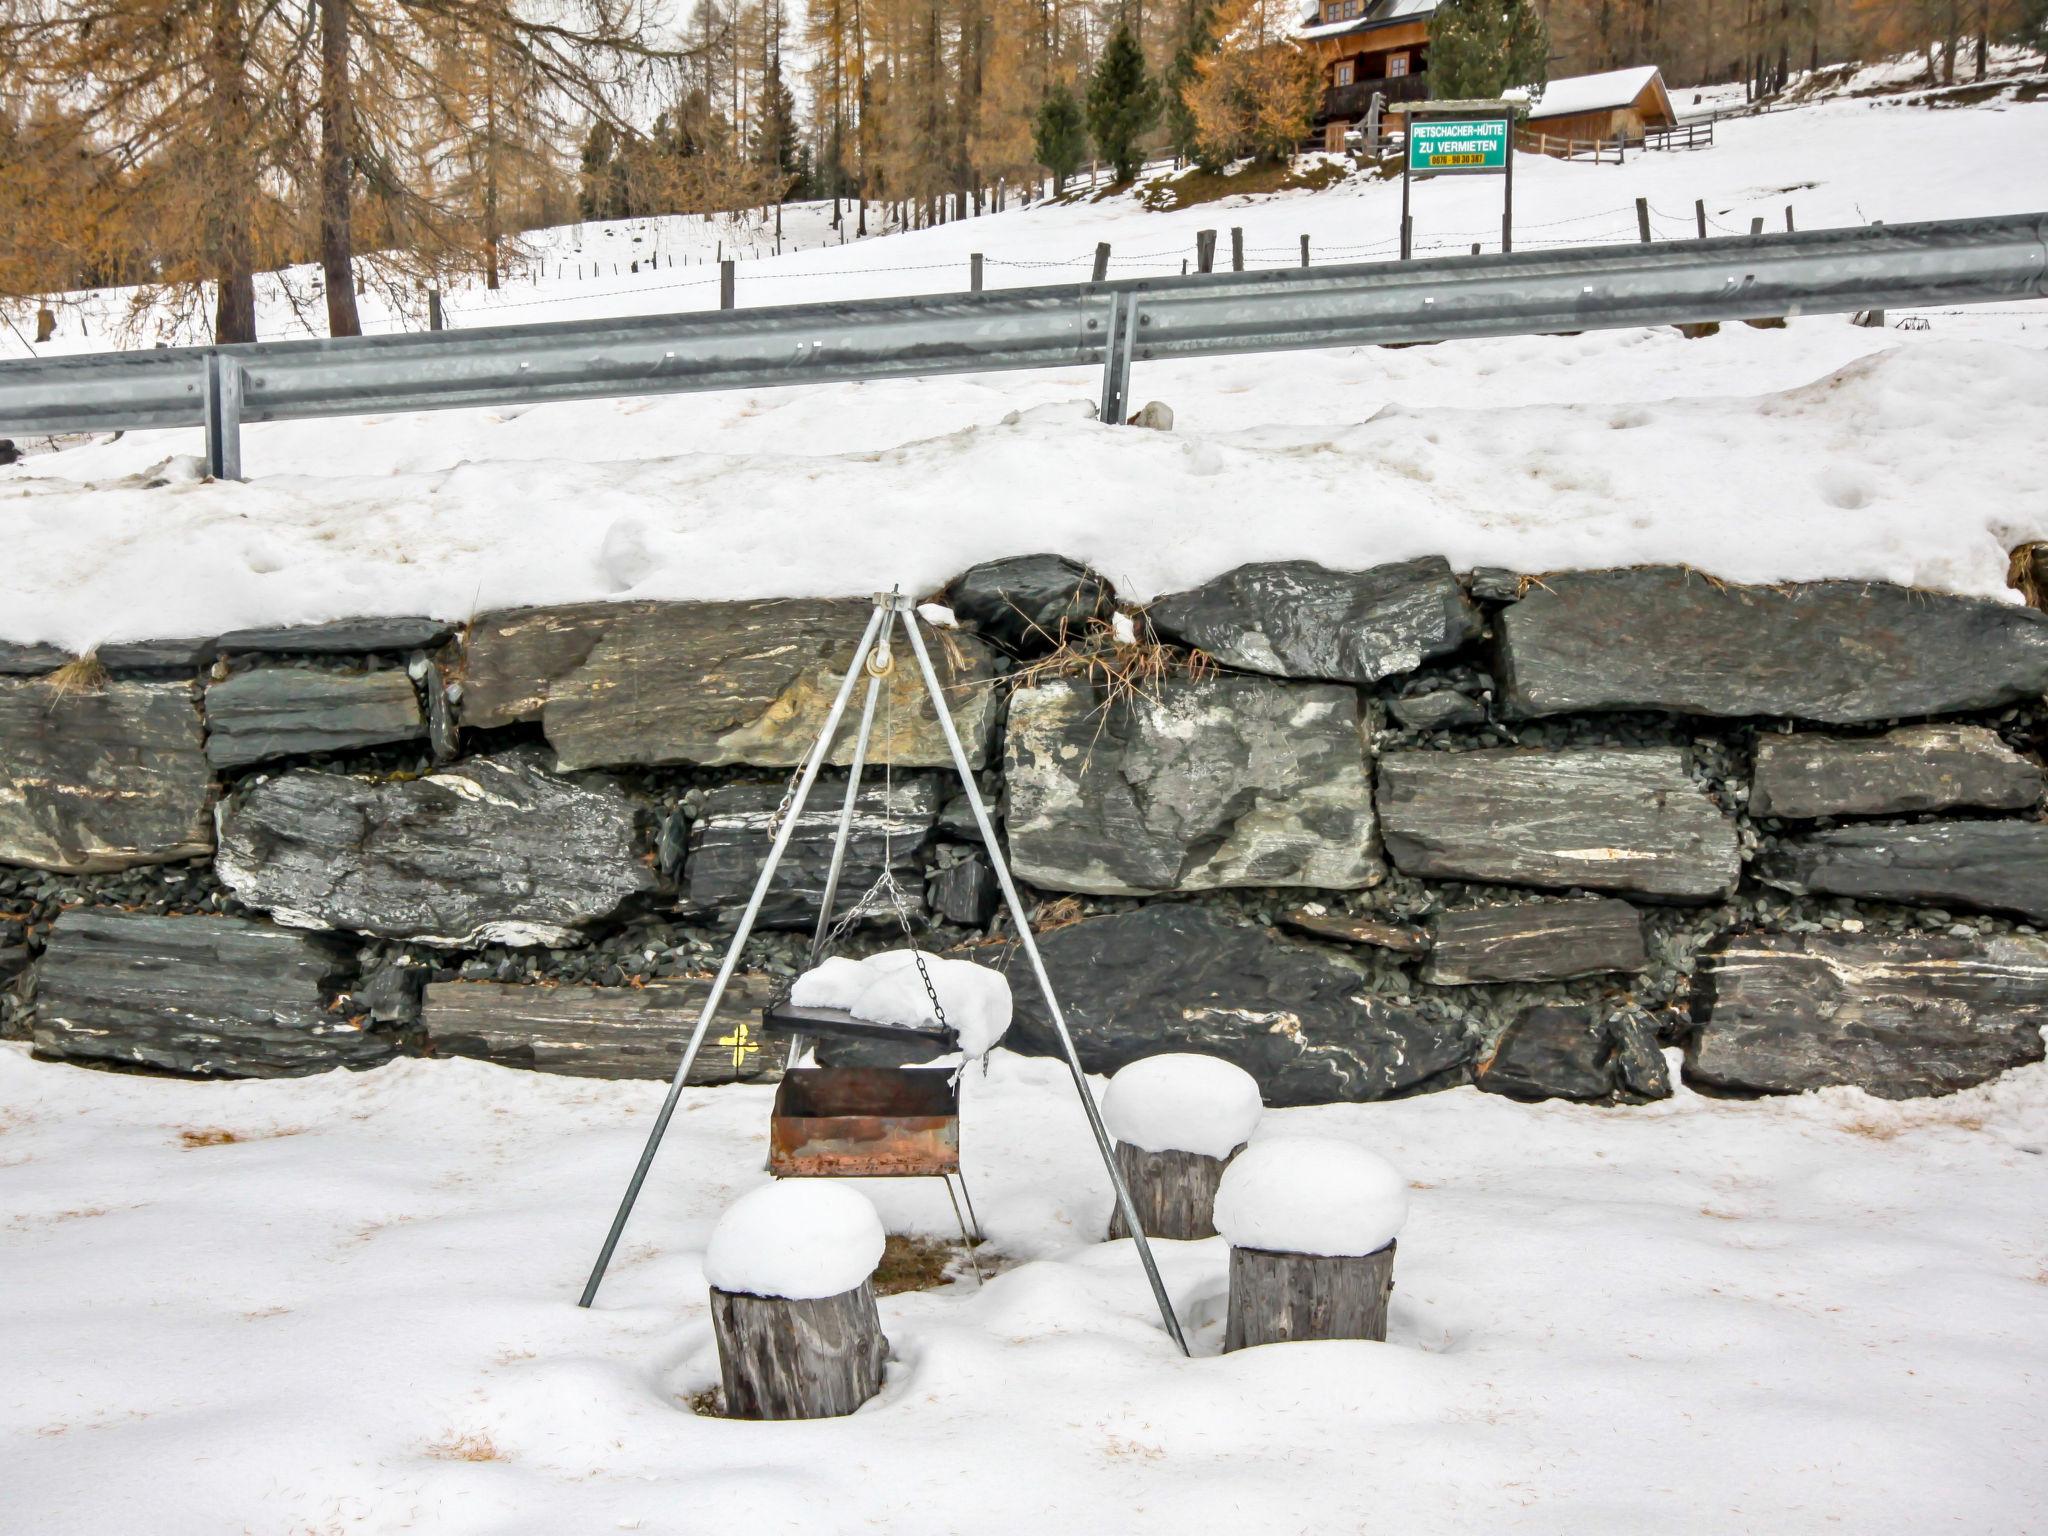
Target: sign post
x,y
1460,138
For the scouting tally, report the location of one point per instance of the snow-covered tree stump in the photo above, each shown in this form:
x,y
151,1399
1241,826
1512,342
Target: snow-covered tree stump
x,y
1178,1120
1311,1225
792,1303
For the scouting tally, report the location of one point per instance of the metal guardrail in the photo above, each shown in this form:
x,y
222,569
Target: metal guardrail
x,y
1108,324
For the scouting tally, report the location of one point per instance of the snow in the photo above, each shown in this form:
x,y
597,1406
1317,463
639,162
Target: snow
x,y
1181,1101
800,1238
1822,450
1827,1312
1311,1194
1592,93
885,988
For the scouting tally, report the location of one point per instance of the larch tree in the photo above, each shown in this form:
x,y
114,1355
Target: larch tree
x,y
1255,96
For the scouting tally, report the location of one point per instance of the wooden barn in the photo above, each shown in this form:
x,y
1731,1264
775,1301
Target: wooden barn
x,y
1594,108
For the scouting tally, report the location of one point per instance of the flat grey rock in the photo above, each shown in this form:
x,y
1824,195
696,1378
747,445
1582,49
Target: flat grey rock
x,y
1839,652
283,711
104,779
179,655
1494,584
1435,710
1221,781
730,840
1897,1017
1575,1052
17,660
614,1032
1536,941
1030,604
340,637
490,850
1626,819
1912,769
1294,618
1319,922
205,996
1992,866
1172,977
731,683
512,657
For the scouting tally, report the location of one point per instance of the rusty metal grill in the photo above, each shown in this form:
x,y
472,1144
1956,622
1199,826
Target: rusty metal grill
x,y
865,1122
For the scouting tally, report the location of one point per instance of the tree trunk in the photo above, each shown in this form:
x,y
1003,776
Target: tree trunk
x,y
1279,1297
1174,1192
337,245
233,258
785,1359
491,166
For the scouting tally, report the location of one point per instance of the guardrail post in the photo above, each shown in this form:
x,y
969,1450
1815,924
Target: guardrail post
x,y
1101,262
974,273
1117,349
1236,248
725,284
1205,250
1643,219
223,417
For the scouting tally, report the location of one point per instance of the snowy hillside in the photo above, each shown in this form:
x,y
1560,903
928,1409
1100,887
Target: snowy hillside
x,y
1820,450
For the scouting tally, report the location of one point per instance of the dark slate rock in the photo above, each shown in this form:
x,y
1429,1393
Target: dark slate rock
x,y
206,996
279,711
1294,618
491,850
1536,941
1220,781
1915,768
1573,1052
30,660
731,836
618,1032
181,655
1993,866
718,683
341,637
1437,709
1897,1017
1621,819
1839,652
102,779
966,892
1171,977
956,817
444,739
1494,584
513,657
391,990
1030,604
1319,922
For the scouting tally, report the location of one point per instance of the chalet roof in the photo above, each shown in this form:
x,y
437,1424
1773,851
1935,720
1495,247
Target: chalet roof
x,y
1379,13
1598,93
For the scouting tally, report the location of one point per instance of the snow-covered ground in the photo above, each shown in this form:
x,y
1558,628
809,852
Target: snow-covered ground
x,y
1820,450
1822,1313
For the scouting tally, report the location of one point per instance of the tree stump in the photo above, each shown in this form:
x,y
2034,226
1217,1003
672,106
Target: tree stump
x,y
1276,1298
1174,1192
783,1358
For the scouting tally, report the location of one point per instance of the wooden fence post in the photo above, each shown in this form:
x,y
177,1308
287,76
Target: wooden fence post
x,y
1101,262
1304,250
1205,250
974,273
1699,214
1789,227
434,318
1236,249
725,284
1756,226
1643,219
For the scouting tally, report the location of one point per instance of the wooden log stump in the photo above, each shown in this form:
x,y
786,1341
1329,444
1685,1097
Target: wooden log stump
x,y
1174,1192
1276,1298
783,1358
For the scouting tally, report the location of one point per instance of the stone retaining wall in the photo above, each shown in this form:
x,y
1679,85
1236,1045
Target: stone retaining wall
x,y
1366,833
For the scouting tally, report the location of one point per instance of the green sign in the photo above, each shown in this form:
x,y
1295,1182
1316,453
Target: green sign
x,y
1464,144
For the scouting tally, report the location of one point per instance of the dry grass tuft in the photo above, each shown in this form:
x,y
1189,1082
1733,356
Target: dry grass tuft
x,y
1057,914
916,1263
1121,670
2027,573
221,1136
706,1404
81,675
476,1446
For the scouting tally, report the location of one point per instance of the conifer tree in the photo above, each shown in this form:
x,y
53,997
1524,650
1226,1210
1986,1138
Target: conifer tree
x,y
1478,48
1123,102
1061,138
1255,95
1197,41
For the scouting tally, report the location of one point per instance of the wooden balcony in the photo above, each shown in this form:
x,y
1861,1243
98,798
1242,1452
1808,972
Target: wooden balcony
x,y
1350,101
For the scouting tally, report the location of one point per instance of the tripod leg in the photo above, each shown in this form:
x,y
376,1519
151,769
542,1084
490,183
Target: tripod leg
x,y
732,955
1001,867
860,758
966,1241
974,1220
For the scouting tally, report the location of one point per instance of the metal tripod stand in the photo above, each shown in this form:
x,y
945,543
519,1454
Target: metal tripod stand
x,y
870,658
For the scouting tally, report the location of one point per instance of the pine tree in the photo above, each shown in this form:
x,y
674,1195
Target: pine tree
x,y
1123,101
1061,138
1479,48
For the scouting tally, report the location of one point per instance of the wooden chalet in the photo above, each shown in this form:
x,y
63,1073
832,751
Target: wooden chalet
x,y
1620,104
1368,46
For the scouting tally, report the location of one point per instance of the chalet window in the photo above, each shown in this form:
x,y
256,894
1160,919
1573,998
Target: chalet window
x,y
1353,8
1397,65
1333,10
1347,71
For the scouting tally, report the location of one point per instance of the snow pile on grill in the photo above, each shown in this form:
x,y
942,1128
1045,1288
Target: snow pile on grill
x,y
1311,1194
1182,1101
886,989
799,1238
